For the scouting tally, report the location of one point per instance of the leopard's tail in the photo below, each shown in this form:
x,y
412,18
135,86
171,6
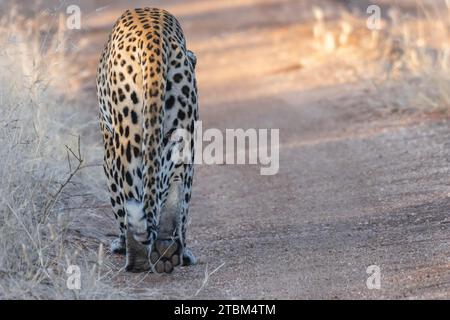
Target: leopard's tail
x,y
143,216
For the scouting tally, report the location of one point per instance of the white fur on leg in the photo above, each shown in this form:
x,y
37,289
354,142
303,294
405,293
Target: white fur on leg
x,y
118,245
136,219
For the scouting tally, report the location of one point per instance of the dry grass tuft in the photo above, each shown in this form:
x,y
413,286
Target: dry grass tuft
x,y
41,162
406,60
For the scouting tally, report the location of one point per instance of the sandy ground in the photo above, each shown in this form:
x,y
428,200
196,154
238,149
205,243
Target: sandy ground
x,y
357,186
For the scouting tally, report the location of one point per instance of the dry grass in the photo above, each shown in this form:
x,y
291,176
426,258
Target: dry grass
x,y
406,61
41,163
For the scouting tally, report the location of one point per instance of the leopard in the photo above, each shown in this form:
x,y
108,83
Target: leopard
x,y
147,91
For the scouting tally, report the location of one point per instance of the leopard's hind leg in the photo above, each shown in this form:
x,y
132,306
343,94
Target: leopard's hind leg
x,y
181,112
169,249
116,197
136,253
188,257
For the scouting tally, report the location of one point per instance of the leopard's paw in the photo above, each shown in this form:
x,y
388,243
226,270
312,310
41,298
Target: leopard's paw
x,y
165,255
189,259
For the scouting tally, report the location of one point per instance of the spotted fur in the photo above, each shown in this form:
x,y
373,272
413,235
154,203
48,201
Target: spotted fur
x,y
146,90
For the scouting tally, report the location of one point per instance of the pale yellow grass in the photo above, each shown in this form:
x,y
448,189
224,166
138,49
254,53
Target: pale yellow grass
x,y
406,61
42,163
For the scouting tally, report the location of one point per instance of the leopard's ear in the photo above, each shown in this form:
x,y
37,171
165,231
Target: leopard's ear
x,y
192,58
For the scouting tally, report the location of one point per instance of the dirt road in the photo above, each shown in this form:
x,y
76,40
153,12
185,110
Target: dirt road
x,y
356,187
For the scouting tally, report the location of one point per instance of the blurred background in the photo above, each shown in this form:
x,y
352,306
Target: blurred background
x,y
359,90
